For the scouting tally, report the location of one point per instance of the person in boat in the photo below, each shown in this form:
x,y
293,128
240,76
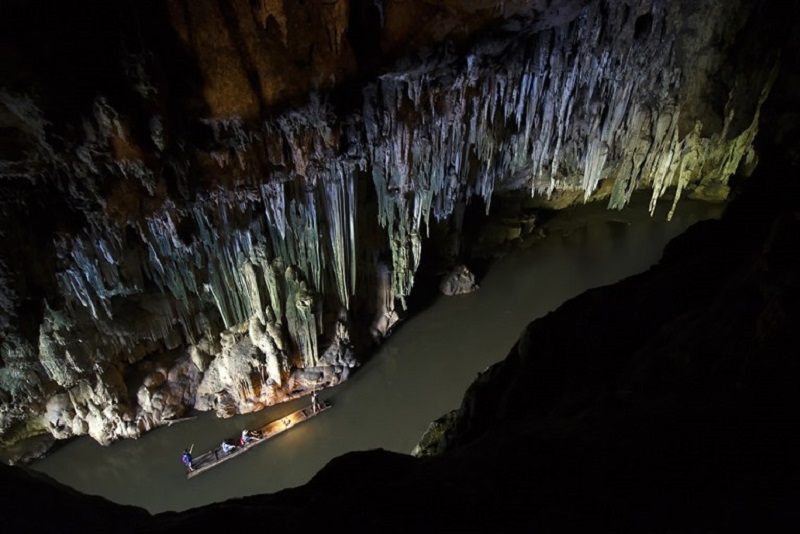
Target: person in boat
x,y
247,437
186,458
314,404
227,446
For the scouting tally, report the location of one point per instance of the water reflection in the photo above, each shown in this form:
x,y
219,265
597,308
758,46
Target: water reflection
x,y
420,373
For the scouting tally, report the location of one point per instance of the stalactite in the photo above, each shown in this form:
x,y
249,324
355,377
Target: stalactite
x,y
300,318
275,286
690,154
340,212
257,302
259,225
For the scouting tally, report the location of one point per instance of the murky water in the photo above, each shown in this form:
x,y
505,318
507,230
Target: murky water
x,y
420,373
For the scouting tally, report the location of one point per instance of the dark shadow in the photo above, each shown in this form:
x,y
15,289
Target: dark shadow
x,y
643,26
364,33
66,57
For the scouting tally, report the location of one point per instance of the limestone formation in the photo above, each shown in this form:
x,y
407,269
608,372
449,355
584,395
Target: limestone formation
x,y
458,281
224,186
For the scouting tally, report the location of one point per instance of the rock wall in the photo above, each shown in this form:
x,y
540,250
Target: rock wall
x,y
627,409
185,225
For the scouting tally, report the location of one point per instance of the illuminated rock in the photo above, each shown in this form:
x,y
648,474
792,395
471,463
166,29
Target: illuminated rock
x,y
458,281
235,174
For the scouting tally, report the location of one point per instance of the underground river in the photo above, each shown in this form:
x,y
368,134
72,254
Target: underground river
x,y
418,374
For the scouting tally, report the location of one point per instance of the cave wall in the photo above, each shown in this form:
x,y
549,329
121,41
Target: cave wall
x,y
688,423
221,205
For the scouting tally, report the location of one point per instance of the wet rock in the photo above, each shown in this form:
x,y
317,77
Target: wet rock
x,y
459,281
153,380
435,438
60,416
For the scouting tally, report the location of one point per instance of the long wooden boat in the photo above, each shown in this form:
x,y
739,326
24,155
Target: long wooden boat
x,y
216,456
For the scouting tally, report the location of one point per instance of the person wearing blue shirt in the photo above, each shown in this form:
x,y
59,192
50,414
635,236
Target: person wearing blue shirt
x,y
186,458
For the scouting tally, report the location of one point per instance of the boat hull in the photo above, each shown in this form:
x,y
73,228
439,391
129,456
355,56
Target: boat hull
x,y
215,457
